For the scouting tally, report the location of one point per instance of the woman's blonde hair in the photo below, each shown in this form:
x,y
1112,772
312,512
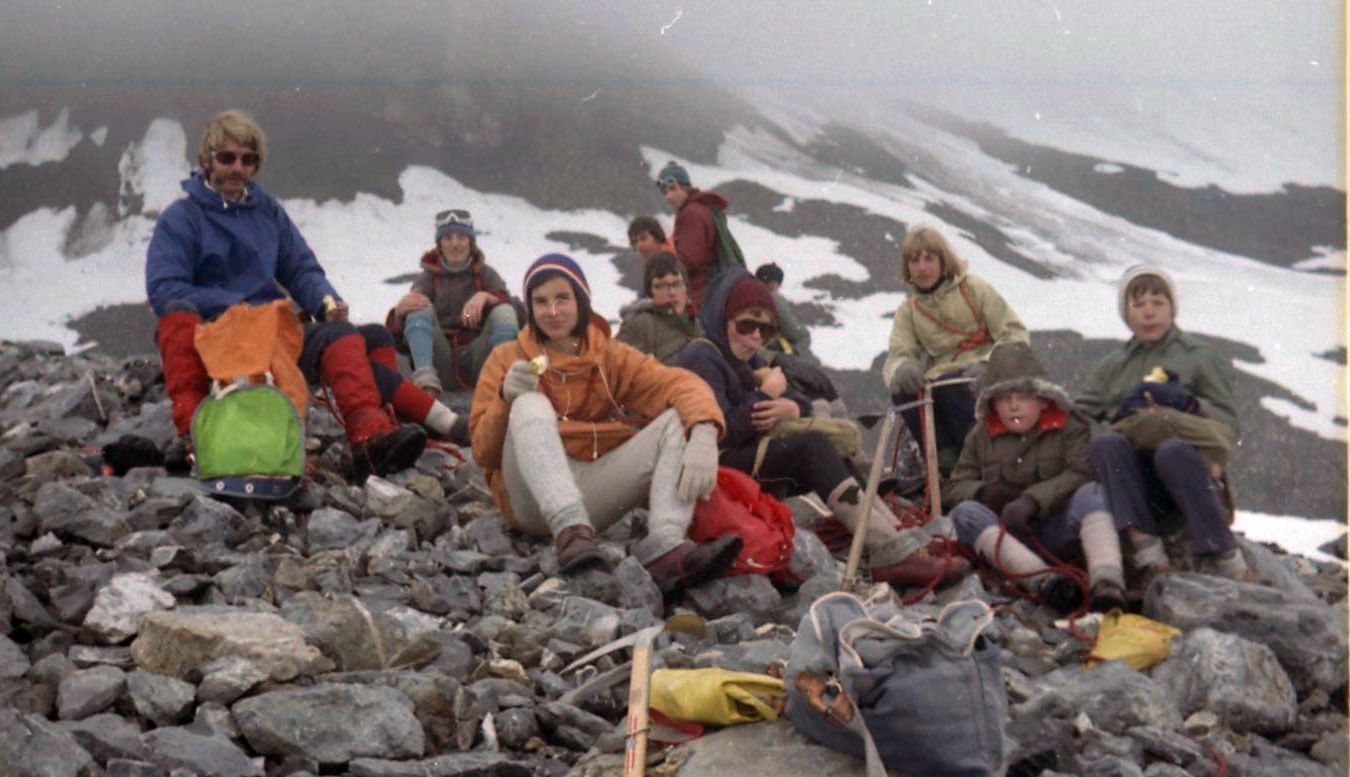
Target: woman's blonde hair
x,y
232,125
926,238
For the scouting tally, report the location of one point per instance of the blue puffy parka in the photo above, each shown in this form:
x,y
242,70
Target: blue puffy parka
x,y
214,253
732,380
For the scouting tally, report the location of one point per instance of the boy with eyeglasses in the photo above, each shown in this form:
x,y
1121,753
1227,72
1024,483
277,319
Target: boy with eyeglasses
x,y
660,323
230,243
702,239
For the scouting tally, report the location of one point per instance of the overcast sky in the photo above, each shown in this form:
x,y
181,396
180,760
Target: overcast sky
x,y
795,43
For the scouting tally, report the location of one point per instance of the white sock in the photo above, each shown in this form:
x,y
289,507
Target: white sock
x,y
1101,547
1014,558
440,418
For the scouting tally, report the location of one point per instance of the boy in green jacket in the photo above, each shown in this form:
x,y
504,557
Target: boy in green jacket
x,y
1169,399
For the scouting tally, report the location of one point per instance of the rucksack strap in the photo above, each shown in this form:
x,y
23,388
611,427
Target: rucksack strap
x,y
973,338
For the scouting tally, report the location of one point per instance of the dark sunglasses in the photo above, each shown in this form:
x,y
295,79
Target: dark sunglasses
x,y
745,326
454,216
228,158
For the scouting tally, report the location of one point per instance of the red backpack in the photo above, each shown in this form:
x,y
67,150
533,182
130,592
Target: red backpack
x,y
764,524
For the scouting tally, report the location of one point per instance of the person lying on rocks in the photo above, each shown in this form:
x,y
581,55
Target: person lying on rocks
x,y
648,238
1169,399
1024,477
792,337
573,430
946,328
456,312
738,316
228,242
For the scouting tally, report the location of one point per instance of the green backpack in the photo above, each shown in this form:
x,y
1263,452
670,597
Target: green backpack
x,y
728,250
249,441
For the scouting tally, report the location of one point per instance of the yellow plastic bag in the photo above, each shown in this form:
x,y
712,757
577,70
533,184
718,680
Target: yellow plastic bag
x,y
717,697
1134,639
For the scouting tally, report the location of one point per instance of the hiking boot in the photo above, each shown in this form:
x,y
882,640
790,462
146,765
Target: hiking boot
x,y
922,567
388,452
690,564
1060,592
576,548
427,379
1107,595
1229,564
459,431
178,456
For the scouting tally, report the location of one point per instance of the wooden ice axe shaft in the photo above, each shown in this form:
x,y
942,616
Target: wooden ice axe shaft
x,y
873,480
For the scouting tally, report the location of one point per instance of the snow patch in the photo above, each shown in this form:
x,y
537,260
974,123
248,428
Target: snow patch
x,y
23,141
99,136
788,205
1318,423
152,169
1328,258
1303,536
1107,168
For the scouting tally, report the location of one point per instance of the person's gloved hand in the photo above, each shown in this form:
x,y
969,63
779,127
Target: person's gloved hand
x,y
976,373
908,379
698,470
995,495
1017,515
519,379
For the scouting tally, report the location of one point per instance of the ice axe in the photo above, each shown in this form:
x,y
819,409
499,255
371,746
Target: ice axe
x,y
639,688
930,454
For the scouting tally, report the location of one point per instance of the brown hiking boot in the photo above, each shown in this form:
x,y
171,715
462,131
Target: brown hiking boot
x,y
388,452
690,564
922,567
575,547
1107,595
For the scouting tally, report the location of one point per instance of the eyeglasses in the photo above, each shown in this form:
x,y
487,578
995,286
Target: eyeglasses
x,y
454,216
667,285
228,158
747,326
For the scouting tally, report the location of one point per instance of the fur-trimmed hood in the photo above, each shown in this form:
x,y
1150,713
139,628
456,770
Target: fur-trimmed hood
x,y
1014,367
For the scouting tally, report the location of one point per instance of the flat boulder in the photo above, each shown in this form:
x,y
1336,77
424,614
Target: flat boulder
x,y
1237,679
332,723
175,642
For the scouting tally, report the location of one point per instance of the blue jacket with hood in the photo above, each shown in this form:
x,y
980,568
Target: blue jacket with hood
x,y
214,253
732,380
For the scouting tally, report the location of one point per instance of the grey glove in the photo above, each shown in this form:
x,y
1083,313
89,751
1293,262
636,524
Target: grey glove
x,y
908,379
698,470
976,372
519,379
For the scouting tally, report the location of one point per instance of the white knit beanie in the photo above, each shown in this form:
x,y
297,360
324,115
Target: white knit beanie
x,y
1135,272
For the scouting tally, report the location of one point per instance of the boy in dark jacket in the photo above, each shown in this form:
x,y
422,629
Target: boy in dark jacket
x,y
1025,466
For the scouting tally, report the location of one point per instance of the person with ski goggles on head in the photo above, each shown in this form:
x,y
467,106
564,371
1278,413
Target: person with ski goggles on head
x,y
738,316
947,328
702,239
457,311
229,242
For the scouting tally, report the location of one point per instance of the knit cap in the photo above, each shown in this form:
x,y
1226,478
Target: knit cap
x,y
750,293
454,220
769,273
672,172
549,264
1140,270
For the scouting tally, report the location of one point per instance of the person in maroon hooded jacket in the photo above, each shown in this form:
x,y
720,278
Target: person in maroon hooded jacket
x,y
702,239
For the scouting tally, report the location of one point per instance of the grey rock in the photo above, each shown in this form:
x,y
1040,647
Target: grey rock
x,y
207,756
176,642
85,656
1308,639
636,587
755,655
32,745
1161,769
385,499
11,464
1274,570
475,764
765,750
1333,749
106,736
432,695
168,487
557,714
54,465
214,719
89,691
752,594
516,726
356,634
332,723
728,630
1114,697
119,605
207,521
159,698
154,514
586,622
502,594
1268,760
13,661
488,535
1238,680
1035,743
226,679
68,512
1110,766
129,767
332,529
444,595
52,669
810,557
1172,747
457,659
247,580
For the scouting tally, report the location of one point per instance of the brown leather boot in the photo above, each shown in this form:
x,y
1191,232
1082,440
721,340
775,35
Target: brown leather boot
x,y
1107,595
690,564
922,567
576,548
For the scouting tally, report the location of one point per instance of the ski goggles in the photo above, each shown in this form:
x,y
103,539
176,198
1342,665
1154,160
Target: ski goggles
x,y
747,326
669,182
227,158
454,216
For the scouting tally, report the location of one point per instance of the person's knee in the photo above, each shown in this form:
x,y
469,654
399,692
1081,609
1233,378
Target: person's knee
x,y
1086,499
1172,454
1109,446
376,336
970,519
531,405
181,306
502,316
424,318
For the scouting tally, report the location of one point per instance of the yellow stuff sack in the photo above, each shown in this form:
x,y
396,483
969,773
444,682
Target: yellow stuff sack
x,y
1134,639
716,697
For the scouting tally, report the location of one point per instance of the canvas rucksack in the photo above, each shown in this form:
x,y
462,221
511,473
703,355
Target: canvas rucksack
x,y
248,434
922,696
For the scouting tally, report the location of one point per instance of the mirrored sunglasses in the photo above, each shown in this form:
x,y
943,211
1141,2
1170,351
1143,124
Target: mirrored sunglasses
x,y
228,158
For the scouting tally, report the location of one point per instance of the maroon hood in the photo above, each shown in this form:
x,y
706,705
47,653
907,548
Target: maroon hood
x,y
711,199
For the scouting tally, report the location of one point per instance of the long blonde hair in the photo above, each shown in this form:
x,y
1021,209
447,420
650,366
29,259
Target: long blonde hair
x,y
926,238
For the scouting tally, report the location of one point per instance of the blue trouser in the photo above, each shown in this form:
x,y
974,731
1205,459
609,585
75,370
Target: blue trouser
x,y
1058,531
1142,487
429,347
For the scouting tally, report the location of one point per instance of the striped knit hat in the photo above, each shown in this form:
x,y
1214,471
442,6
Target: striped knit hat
x,y
545,266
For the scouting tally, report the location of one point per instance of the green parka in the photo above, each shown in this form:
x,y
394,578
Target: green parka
x,y
938,350
1047,463
660,332
1205,374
